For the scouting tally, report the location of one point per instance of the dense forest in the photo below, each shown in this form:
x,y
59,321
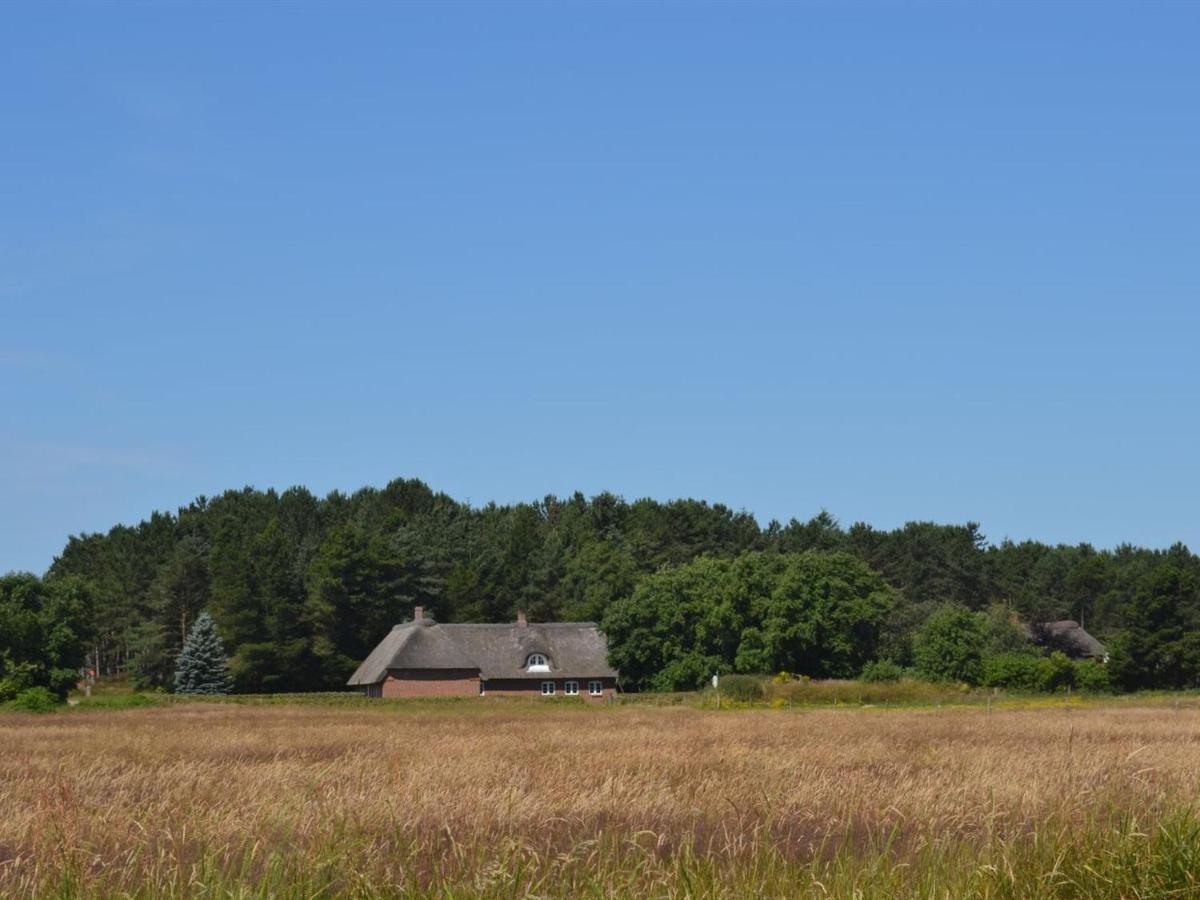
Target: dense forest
x,y
301,587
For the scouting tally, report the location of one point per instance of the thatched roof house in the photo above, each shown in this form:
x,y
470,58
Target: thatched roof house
x,y
1068,637
424,658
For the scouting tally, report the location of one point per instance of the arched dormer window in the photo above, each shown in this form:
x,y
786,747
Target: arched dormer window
x,y
537,662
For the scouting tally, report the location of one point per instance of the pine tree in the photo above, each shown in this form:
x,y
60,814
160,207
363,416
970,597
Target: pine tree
x,y
202,667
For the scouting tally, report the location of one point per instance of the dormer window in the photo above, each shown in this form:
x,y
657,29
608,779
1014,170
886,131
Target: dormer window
x,y
537,662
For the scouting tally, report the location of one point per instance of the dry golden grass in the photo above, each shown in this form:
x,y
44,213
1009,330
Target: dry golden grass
x,y
514,799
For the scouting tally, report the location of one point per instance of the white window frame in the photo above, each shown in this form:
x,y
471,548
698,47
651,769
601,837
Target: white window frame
x,y
537,662
548,688
596,688
571,688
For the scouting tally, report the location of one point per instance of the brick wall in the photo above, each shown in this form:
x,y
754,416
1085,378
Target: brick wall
x,y
533,688
465,683
432,683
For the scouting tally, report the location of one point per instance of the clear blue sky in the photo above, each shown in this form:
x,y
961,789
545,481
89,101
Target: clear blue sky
x,y
899,261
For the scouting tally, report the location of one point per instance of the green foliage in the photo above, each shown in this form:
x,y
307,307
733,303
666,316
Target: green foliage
x,y
881,670
1001,634
152,665
682,624
818,613
1092,677
301,587
823,616
179,591
202,667
949,647
359,586
900,630
930,562
1160,644
9,688
1023,672
1016,671
742,688
596,575
1057,671
44,628
35,699
684,673
18,677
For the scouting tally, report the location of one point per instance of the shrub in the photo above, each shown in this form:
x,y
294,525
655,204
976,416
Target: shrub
x,y
949,646
1018,671
62,681
686,673
17,677
744,688
881,670
1057,671
1092,677
1000,632
34,699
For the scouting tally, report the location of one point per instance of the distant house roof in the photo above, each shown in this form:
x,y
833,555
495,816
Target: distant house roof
x,y
1068,636
573,650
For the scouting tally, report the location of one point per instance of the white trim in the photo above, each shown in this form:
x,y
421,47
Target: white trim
x,y
537,662
596,688
571,688
547,688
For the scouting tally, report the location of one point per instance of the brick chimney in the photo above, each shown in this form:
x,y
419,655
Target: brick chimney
x,y
418,613
521,622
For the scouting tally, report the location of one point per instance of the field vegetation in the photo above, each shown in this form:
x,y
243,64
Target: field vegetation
x,y
519,799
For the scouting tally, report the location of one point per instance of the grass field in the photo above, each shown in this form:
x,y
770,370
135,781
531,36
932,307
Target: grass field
x,y
527,799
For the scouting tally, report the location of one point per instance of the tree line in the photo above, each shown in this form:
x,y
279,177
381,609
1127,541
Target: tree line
x,y
302,587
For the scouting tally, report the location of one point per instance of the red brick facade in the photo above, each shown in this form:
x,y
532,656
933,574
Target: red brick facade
x,y
496,687
431,683
465,683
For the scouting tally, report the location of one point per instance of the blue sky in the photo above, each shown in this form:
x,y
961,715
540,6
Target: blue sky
x,y
897,260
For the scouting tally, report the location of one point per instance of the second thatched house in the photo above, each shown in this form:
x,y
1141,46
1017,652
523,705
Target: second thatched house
x,y
1068,637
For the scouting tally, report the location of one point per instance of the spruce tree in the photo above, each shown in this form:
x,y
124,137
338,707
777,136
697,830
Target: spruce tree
x,y
201,667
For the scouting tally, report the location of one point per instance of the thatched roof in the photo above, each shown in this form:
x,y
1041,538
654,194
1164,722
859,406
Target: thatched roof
x,y
1068,636
573,649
